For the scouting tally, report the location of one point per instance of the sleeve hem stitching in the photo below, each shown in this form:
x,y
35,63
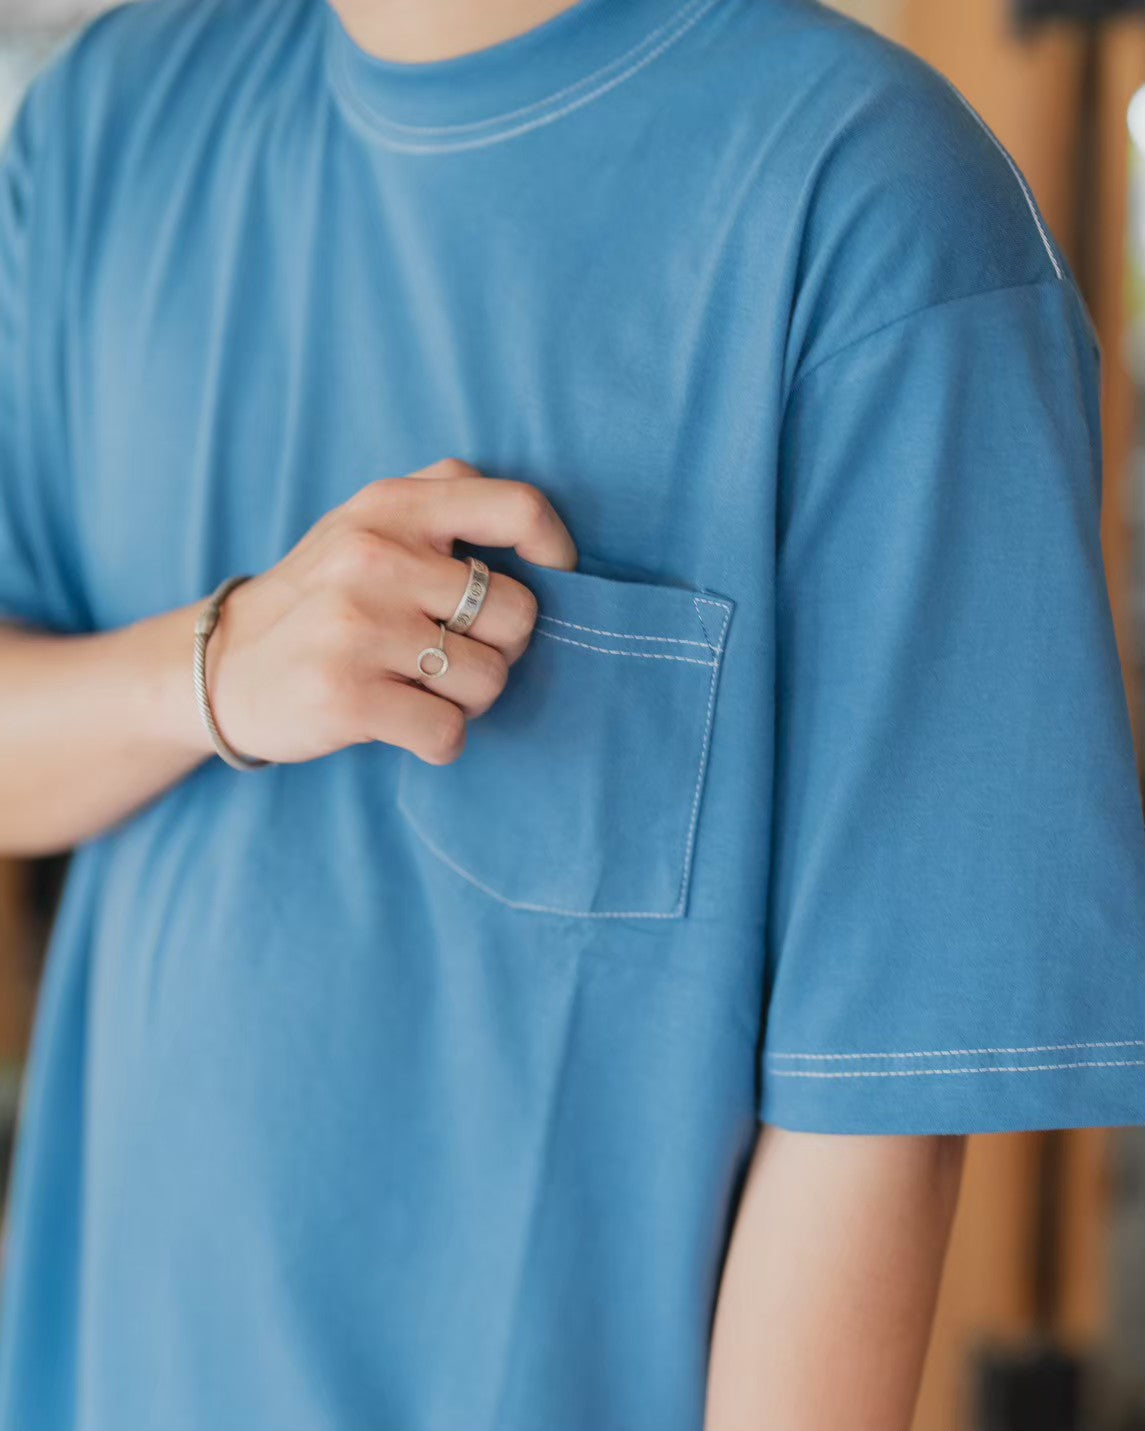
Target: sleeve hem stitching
x,y
967,1068
961,1052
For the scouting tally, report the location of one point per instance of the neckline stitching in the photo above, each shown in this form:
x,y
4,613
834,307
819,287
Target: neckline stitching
x,y
416,130
580,92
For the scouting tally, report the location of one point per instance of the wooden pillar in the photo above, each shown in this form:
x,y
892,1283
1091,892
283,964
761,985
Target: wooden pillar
x,y
16,993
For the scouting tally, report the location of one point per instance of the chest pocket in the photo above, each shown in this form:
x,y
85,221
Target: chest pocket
x,y
579,791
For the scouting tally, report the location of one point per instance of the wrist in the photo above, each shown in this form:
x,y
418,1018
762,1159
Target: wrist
x,y
164,710
212,630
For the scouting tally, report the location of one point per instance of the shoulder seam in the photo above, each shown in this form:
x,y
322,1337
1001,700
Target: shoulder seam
x,y
917,313
1017,173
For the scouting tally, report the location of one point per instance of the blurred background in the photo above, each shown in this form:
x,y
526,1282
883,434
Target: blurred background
x,y
1041,1325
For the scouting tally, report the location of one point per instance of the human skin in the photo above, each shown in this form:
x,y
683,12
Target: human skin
x,y
313,655
410,32
829,1286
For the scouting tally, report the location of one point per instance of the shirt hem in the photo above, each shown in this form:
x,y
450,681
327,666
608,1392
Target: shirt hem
x,y
987,1097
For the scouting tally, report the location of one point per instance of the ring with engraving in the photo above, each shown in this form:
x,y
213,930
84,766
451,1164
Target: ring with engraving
x,y
472,598
434,653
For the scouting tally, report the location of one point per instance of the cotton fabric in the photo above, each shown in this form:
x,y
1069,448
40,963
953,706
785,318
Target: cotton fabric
x,y
370,1094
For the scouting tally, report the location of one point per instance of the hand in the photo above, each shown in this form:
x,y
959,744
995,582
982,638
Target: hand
x,y
320,652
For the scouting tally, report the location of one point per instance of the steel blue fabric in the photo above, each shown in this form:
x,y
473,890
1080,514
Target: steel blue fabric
x,y
371,1095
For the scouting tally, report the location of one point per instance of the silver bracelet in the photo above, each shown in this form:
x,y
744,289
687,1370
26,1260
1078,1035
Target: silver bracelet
x,y
204,627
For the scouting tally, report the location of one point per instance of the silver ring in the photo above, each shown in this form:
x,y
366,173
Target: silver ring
x,y
438,653
472,598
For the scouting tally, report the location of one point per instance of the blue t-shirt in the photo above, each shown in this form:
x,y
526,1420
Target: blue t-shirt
x,y
369,1095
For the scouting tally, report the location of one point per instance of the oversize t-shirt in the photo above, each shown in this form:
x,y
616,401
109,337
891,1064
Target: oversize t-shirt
x,y
369,1095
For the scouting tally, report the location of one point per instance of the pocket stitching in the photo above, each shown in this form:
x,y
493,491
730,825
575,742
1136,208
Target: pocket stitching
x,y
678,909
717,650
624,635
637,655
524,905
697,602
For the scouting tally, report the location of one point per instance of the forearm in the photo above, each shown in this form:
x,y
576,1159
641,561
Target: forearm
x,y
92,727
830,1283
316,654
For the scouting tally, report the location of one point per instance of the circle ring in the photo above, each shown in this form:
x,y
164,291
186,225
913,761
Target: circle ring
x,y
438,654
472,598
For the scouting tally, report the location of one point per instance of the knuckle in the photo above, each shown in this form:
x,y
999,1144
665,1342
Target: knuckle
x,y
525,610
339,619
352,554
533,506
496,673
491,677
451,468
388,562
446,738
379,493
362,556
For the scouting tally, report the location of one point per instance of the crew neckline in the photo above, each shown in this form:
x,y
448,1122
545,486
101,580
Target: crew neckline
x,y
509,87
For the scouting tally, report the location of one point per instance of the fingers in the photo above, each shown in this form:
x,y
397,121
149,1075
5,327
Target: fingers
x,y
428,715
386,559
409,716
383,576
508,613
476,674
452,501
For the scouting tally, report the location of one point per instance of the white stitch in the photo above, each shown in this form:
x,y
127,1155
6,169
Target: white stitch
x,y
697,602
703,624
981,1068
958,1052
636,655
715,665
1017,173
373,118
539,104
677,911
622,635
521,904
725,607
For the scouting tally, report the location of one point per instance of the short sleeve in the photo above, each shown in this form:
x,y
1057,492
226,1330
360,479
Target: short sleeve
x,y
39,576
956,927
